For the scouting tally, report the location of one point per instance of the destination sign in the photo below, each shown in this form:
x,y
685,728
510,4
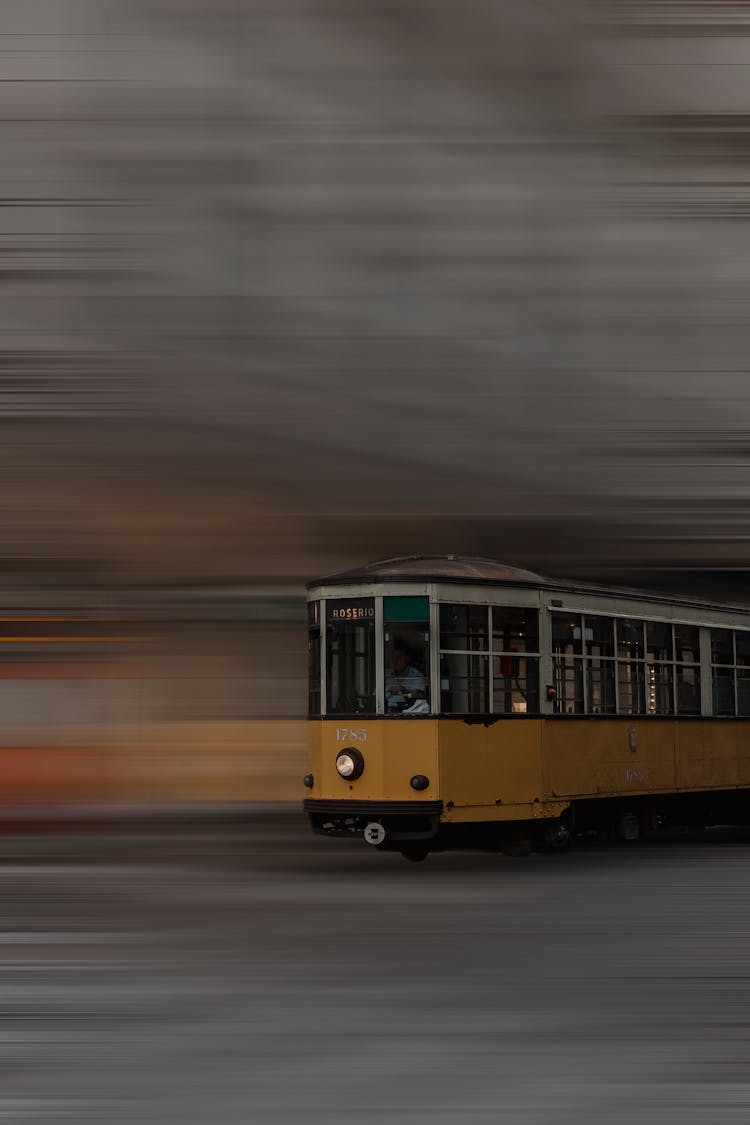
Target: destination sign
x,y
351,609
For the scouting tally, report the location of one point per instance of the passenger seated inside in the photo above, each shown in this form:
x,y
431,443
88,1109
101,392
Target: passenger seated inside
x,y
405,685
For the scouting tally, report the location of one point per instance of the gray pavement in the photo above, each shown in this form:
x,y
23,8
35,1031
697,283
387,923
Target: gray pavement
x,y
236,972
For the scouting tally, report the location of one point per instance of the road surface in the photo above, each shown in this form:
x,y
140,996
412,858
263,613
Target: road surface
x,y
243,972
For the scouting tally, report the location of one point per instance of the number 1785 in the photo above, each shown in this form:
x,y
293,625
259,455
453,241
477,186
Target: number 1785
x,y
351,734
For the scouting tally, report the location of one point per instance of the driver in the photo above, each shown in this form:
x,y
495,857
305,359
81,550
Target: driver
x,y
403,682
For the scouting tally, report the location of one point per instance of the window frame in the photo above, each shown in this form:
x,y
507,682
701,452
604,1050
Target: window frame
x,y
489,653
691,689
646,669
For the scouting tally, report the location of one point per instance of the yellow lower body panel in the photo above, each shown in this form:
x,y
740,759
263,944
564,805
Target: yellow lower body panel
x,y
468,814
394,751
527,769
479,773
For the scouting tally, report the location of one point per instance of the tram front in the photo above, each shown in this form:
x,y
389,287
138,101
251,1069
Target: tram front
x,y
373,738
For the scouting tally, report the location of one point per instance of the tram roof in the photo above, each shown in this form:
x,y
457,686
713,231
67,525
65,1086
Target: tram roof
x,y
481,571
438,568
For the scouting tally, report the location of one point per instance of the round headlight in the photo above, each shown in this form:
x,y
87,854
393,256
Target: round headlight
x,y
308,781
419,781
350,764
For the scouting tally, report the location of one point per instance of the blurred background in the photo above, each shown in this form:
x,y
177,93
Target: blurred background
x,y
288,286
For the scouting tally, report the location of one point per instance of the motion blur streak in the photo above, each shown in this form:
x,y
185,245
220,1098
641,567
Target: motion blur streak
x,y
286,285
233,975
291,284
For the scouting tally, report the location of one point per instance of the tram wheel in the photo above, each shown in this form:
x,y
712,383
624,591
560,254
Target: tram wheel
x,y
629,827
415,854
558,836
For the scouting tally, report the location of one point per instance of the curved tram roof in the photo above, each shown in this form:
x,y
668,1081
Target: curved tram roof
x,y
468,570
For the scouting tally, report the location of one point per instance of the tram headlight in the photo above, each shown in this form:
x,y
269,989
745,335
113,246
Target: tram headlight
x,y
419,781
345,765
350,764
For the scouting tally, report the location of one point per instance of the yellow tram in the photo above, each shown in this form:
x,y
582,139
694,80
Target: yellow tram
x,y
458,701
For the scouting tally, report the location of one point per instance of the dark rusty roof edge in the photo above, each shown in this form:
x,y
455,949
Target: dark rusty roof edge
x,y
525,578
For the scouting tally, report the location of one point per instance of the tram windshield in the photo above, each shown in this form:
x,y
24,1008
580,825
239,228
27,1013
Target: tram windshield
x,y
406,636
350,645
351,675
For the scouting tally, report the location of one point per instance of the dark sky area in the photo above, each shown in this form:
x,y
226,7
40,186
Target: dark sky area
x,y
287,285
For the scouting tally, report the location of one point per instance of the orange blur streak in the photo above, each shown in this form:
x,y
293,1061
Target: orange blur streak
x,y
68,640
72,617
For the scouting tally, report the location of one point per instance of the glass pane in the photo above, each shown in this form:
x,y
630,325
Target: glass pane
x,y
515,629
350,644
687,644
313,614
407,670
464,627
629,639
742,645
688,690
659,693
601,687
515,685
722,651
567,672
743,691
599,635
631,688
566,634
723,690
464,686
658,641
313,647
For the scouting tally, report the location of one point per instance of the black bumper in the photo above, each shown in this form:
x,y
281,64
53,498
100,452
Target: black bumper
x,y
402,820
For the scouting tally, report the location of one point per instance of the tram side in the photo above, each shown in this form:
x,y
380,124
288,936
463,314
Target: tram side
x,y
544,712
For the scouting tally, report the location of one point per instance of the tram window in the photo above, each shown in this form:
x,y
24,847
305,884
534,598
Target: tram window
x,y
629,639
515,685
599,636
567,663
687,644
688,683
659,689
600,686
406,648
659,640
515,629
313,647
566,634
722,672
464,628
515,663
631,688
568,677
407,670
599,640
742,647
350,663
743,690
723,691
722,649
464,683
